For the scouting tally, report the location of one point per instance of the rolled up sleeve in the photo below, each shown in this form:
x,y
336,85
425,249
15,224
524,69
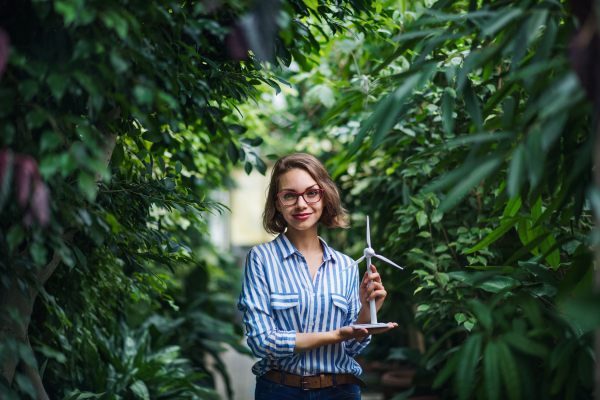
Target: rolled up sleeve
x,y
353,346
264,339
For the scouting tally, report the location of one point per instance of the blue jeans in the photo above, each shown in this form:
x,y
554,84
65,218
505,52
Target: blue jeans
x,y
267,390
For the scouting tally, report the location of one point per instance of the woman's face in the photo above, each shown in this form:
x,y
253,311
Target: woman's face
x,y
300,216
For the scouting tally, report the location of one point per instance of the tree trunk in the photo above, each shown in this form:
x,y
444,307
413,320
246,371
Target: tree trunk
x,y
15,299
596,282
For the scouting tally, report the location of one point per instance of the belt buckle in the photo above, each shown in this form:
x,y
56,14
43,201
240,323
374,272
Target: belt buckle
x,y
302,381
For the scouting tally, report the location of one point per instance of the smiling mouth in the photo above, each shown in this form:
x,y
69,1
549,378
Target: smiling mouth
x,y
302,216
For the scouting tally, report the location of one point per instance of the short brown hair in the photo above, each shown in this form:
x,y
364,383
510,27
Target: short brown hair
x,y
334,215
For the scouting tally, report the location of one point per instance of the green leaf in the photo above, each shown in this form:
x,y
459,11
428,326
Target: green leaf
x,y
257,141
163,167
261,166
153,136
482,312
581,264
49,141
497,283
447,110
536,209
474,177
232,152
554,257
460,318
447,371
115,20
511,209
500,21
143,94
322,93
178,167
210,62
34,119
493,236
38,253
509,372
140,389
313,4
527,233
274,85
421,218
43,369
87,184
525,345
473,106
113,223
508,111
51,353
28,89
239,129
25,385
300,59
529,247
248,167
89,395
491,371
516,171
79,255
465,371
118,155
58,84
14,237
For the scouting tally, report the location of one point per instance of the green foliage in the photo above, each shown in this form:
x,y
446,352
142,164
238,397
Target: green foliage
x,y
462,131
156,80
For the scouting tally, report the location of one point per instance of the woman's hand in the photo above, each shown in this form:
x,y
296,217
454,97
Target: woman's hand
x,y
374,291
347,332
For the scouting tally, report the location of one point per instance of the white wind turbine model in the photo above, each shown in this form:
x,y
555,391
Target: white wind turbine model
x,y
368,253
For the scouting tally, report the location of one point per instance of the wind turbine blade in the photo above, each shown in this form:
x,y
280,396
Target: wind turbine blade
x,y
368,233
354,263
388,261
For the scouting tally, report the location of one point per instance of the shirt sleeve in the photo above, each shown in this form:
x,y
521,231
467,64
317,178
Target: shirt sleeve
x,y
264,339
353,346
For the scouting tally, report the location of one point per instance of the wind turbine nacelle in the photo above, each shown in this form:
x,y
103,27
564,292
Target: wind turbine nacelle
x,y
369,252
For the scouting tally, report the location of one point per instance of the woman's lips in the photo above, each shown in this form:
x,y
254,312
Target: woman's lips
x,y
302,216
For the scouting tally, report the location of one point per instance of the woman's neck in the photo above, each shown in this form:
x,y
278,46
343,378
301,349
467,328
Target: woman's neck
x,y
306,242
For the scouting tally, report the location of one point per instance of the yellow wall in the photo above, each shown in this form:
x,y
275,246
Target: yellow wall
x,y
247,204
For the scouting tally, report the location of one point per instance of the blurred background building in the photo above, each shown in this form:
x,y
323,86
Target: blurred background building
x,y
237,232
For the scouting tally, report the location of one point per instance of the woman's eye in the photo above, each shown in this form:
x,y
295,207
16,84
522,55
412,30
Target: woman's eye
x,y
312,193
289,196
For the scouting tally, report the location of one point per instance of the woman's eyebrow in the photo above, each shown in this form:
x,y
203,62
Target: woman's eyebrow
x,y
292,190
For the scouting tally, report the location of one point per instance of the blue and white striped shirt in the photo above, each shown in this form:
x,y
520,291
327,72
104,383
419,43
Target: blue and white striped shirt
x,y
279,299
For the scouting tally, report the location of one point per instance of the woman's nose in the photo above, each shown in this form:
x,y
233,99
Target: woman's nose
x,y
301,203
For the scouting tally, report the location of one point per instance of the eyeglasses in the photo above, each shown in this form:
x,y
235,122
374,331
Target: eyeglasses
x,y
291,198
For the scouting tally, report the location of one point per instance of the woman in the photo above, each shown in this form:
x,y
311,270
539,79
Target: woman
x,y
296,300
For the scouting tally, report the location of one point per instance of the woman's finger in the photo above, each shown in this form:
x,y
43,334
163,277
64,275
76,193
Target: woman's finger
x,y
375,286
365,280
375,277
377,294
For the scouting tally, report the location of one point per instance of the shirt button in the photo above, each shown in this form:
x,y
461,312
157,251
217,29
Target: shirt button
x,y
314,294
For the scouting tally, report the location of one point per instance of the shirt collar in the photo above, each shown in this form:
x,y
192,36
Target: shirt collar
x,y
287,248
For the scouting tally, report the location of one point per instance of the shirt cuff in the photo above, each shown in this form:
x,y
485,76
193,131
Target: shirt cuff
x,y
353,346
281,344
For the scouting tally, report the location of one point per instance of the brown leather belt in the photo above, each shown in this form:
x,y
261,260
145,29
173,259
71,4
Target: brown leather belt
x,y
313,381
